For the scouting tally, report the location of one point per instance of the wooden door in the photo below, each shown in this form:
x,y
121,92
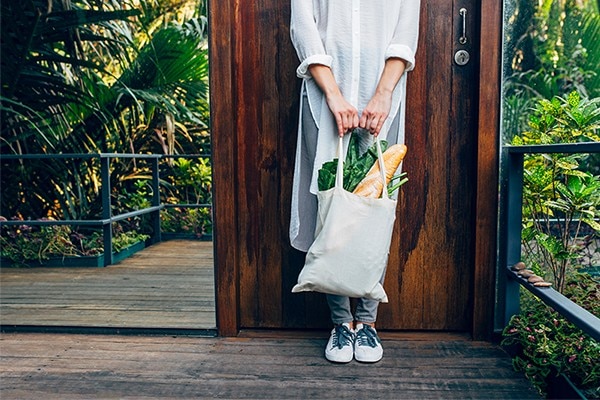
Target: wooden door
x,y
433,279
432,262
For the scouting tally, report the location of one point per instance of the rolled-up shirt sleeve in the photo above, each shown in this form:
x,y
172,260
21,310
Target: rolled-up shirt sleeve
x,y
406,34
306,38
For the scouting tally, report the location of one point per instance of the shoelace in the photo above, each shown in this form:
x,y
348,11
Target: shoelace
x,y
342,336
367,336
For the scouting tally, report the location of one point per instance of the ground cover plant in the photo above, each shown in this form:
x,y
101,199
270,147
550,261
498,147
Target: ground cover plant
x,y
24,245
546,344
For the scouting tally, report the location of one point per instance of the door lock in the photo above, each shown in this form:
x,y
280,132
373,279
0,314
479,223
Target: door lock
x,y
462,57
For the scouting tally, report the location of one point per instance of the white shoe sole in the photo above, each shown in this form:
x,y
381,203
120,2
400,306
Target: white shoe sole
x,y
337,359
366,359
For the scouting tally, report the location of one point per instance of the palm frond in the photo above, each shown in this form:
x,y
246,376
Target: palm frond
x,y
40,66
590,32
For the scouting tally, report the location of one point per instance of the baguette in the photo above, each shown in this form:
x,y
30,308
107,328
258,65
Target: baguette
x,y
372,185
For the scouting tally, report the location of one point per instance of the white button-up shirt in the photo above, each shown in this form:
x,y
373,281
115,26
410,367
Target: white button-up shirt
x,y
354,38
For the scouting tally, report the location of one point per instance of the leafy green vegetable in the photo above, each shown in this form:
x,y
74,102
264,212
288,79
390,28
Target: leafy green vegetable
x,y
356,166
326,178
393,185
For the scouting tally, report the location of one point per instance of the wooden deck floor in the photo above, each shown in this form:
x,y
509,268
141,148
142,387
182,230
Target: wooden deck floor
x,y
167,285
170,285
57,366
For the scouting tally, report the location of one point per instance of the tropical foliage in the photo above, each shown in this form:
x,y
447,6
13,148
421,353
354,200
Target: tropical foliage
x,y
561,199
552,95
551,48
86,76
551,72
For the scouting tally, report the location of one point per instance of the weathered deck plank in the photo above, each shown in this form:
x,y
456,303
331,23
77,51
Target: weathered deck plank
x,y
57,366
167,285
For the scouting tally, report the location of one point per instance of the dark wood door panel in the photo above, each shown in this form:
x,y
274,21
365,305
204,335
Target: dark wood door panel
x,y
430,273
263,75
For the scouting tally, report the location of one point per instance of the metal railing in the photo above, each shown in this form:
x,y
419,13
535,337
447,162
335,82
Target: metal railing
x,y
107,219
510,241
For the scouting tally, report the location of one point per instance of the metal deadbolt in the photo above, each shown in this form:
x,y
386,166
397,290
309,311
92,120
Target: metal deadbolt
x,y
462,57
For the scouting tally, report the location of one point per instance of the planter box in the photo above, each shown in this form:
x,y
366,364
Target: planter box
x,y
84,261
561,387
128,252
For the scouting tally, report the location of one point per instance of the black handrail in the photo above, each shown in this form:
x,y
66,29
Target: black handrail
x,y
510,240
107,218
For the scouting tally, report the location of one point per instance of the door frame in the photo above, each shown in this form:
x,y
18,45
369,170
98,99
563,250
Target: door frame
x,y
224,17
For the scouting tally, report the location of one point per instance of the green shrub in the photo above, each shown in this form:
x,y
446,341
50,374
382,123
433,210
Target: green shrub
x,y
546,344
183,181
196,222
561,198
187,181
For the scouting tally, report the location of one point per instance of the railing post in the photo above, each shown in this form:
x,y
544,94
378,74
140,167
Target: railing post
x,y
511,235
155,215
106,210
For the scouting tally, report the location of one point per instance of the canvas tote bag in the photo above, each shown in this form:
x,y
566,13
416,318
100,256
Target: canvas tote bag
x,y
352,240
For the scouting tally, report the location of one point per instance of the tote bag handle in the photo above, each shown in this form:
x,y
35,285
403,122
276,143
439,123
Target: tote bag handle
x,y
339,175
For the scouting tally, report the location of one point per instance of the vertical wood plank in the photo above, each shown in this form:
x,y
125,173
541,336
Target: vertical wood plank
x,y
225,166
247,129
487,171
264,81
462,183
437,253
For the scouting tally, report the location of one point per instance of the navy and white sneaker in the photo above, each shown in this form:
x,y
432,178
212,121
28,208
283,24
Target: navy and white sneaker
x,y
340,347
367,347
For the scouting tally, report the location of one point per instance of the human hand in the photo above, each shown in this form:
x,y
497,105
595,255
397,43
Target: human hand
x,y
376,112
345,114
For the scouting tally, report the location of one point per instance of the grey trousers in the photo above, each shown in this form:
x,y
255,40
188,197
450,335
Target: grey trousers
x,y
339,306
340,309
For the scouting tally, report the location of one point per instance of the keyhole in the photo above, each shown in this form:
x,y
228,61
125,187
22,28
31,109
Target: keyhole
x,y
461,57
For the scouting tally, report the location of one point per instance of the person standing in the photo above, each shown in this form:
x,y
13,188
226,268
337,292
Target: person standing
x,y
354,55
